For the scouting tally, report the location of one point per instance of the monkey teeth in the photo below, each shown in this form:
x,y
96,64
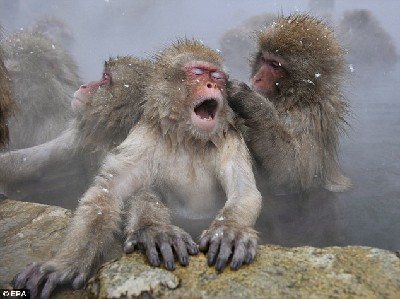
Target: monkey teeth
x,y
206,109
205,113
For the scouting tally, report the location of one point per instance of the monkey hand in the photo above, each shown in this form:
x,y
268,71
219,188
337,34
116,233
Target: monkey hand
x,y
167,238
237,93
247,103
222,241
49,275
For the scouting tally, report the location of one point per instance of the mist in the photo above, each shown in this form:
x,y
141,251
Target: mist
x,y
367,214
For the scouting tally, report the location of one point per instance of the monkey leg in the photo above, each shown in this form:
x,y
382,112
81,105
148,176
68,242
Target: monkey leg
x,y
149,229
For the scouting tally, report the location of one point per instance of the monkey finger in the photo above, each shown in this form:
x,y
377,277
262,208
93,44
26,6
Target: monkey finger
x,y
52,280
225,252
191,245
79,281
34,281
152,253
130,244
20,279
238,255
212,252
204,241
181,251
251,251
166,252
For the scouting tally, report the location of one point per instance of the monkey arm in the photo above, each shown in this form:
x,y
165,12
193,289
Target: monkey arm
x,y
285,145
30,162
95,223
149,228
90,233
232,230
261,124
237,179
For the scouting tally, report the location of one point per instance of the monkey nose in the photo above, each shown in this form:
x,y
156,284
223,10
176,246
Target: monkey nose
x,y
210,85
255,80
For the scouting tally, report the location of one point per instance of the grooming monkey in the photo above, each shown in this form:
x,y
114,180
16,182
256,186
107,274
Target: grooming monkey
x,y
295,110
184,152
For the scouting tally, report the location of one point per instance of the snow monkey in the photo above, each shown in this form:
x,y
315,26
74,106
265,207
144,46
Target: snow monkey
x,y
295,111
61,169
184,153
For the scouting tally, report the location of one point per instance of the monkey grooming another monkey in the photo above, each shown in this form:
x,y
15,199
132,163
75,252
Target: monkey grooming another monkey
x,y
295,111
184,153
105,112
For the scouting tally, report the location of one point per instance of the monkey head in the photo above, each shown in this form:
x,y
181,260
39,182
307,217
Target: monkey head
x,y
109,107
188,95
297,54
83,97
116,81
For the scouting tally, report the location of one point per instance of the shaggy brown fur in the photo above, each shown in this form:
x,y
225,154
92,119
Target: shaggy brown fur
x,y
294,134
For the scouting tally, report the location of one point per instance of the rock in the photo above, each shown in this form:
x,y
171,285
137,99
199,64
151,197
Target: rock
x,y
124,278
31,232
277,272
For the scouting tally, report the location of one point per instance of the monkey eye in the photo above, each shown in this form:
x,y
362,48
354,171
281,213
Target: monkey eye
x,y
106,79
197,71
275,64
106,76
217,75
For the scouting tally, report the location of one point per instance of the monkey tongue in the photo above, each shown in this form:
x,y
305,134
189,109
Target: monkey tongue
x,y
206,109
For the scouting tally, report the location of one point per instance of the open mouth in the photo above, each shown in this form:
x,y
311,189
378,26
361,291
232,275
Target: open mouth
x,y
205,114
206,109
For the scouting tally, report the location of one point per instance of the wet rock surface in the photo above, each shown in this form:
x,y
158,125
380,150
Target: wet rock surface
x,y
32,232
